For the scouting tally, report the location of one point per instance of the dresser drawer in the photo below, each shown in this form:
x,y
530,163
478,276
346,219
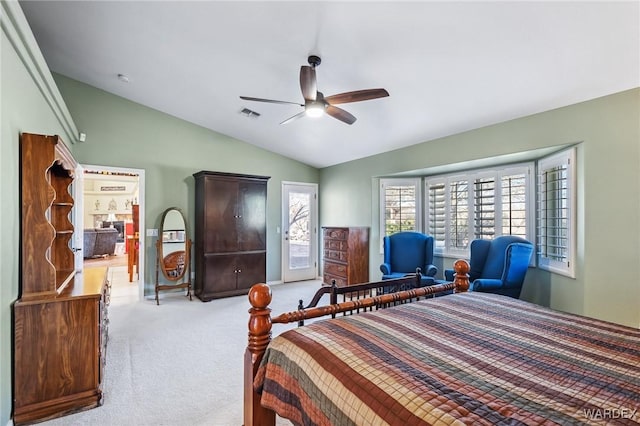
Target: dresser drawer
x,y
335,245
338,269
340,281
335,255
336,233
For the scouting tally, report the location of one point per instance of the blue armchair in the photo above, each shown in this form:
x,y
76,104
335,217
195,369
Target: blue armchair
x,y
404,252
498,266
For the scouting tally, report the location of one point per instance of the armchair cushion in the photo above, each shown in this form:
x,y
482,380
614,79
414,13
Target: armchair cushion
x,y
518,257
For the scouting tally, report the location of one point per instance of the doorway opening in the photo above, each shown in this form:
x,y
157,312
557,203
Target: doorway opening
x,y
112,206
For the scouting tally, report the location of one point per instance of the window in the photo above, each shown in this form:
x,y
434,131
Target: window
x,y
400,204
480,204
556,210
486,203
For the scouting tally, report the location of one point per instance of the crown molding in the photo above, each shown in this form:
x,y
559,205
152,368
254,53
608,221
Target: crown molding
x,y
18,32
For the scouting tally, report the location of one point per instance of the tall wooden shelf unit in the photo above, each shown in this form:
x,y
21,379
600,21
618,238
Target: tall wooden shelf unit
x,y
230,233
60,317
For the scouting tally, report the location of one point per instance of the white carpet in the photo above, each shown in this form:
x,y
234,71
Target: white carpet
x,y
179,363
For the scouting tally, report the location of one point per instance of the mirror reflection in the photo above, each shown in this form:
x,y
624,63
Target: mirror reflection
x,y
173,257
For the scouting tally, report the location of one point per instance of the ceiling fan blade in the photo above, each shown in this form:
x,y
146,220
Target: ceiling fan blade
x,y
356,96
340,114
294,118
308,82
271,101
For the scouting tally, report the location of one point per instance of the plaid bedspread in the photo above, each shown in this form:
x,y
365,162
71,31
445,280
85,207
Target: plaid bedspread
x,y
463,359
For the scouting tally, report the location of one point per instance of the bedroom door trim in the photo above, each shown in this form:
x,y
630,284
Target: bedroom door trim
x,y
304,266
141,221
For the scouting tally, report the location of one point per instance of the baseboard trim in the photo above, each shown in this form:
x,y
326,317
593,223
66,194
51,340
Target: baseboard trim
x,y
276,282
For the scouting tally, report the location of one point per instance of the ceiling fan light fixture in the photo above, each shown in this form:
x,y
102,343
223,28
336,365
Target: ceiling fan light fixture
x,y
315,104
315,109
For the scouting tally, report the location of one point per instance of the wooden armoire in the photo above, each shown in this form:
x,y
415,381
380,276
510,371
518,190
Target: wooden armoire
x,y
60,317
230,240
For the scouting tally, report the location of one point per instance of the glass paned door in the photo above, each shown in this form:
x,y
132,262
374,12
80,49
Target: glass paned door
x,y
299,232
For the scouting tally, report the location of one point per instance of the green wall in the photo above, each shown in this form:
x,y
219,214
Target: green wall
x,y
607,134
24,108
126,134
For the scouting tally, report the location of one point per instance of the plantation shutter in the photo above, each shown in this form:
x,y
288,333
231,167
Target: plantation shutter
x,y
437,213
484,204
514,205
555,205
459,214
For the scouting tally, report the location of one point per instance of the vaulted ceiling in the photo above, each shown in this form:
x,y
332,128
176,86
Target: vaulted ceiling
x,y
448,66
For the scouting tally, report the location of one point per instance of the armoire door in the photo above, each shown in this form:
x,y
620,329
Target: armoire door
x,y
251,269
252,213
220,275
221,215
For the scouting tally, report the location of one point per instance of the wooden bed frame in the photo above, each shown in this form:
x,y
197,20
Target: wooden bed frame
x,y
260,322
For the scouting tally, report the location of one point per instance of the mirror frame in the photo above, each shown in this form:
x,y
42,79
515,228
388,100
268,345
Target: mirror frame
x,y
161,241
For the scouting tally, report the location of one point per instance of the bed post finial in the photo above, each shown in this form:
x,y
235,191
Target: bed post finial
x,y
259,318
461,276
259,338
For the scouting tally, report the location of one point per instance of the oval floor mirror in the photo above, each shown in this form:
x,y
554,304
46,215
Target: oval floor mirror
x,y
174,253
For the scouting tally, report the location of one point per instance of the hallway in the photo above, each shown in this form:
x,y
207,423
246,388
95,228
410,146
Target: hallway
x,y
122,291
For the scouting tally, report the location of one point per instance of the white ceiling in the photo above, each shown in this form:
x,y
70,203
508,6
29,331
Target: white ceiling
x,y
448,66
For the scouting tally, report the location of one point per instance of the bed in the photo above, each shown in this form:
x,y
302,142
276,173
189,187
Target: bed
x,y
465,358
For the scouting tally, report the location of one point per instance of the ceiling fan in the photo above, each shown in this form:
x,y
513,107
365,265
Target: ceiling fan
x,y
316,104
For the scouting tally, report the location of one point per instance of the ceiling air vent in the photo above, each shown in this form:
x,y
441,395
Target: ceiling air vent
x,y
249,113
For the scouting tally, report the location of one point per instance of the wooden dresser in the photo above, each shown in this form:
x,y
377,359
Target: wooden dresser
x,y
60,318
230,250
346,255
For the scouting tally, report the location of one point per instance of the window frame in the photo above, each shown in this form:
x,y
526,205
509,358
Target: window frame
x,y
417,184
565,158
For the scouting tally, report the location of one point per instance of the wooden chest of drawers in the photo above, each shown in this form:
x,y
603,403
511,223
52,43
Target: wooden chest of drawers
x,y
60,349
345,255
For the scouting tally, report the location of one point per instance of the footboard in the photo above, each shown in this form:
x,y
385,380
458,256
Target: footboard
x,y
260,323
